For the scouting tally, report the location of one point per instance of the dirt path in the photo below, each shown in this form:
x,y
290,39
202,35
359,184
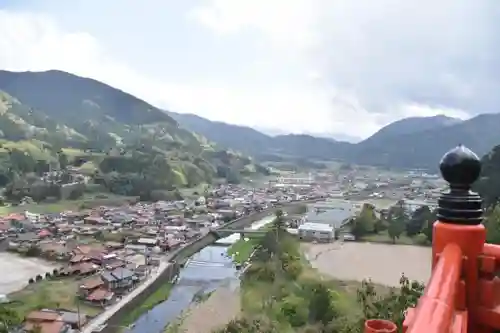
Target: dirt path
x,y
383,263
221,307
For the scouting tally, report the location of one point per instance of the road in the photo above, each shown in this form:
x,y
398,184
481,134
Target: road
x,y
101,320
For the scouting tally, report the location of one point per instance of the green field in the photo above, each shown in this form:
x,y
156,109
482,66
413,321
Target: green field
x,y
59,293
88,201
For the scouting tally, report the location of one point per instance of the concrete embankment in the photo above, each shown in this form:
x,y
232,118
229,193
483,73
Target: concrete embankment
x,y
113,316
109,321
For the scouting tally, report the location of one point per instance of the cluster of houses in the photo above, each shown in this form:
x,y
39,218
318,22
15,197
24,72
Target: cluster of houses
x,y
110,250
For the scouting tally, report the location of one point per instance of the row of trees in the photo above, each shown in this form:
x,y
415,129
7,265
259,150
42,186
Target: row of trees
x,y
396,221
137,173
284,296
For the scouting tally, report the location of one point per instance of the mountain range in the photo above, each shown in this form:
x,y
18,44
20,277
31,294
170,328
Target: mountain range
x,y
59,109
46,112
416,142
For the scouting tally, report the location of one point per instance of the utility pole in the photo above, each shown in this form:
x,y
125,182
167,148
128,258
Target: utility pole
x,y
78,313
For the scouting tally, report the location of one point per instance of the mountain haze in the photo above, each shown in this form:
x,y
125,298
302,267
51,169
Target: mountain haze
x,y
417,142
59,109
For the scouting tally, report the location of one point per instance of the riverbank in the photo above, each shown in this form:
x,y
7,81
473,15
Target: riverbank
x,y
158,296
242,248
205,272
181,296
222,306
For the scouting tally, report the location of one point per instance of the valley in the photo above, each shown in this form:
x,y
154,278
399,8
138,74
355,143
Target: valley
x,y
101,190
410,143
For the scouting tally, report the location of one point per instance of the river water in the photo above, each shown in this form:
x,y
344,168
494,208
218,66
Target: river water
x,y
204,272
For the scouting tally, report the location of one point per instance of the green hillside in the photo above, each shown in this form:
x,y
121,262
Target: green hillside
x,y
127,145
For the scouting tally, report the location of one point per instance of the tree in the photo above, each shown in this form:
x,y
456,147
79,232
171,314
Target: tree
x,y
428,227
392,306
250,325
321,304
488,185
365,222
22,161
8,318
396,219
492,224
418,220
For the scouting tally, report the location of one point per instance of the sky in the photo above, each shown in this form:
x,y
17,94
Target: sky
x,y
336,67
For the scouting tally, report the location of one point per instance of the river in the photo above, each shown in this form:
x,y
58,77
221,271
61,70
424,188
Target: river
x,y
204,272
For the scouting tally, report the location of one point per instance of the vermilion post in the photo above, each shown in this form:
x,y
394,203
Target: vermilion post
x,y
456,295
459,221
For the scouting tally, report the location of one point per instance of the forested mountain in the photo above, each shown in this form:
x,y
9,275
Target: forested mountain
x,y
424,149
48,114
409,126
253,142
408,143
241,138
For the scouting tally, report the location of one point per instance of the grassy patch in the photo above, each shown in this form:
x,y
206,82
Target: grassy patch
x,y
61,293
159,296
241,250
64,205
32,147
42,208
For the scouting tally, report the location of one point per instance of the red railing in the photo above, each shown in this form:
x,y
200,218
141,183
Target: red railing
x,y
463,293
436,310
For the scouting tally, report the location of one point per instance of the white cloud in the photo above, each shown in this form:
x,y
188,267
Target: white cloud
x,y
357,64
386,56
35,42
285,22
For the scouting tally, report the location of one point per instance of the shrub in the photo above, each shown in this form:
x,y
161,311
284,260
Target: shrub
x,y
39,278
421,239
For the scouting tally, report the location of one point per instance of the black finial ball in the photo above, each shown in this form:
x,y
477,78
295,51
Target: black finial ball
x,y
460,166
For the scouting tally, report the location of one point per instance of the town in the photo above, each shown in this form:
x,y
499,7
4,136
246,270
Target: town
x,y
67,268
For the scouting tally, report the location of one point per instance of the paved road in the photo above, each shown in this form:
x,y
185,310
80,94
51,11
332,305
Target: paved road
x,y
111,310
101,320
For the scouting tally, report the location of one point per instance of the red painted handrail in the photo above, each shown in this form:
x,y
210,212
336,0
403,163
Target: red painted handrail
x,y
435,310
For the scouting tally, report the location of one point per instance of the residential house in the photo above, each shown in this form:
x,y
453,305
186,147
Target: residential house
x,y
45,322
119,278
54,321
95,292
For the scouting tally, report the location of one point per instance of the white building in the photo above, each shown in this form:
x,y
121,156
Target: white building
x,y
412,205
330,212
319,232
